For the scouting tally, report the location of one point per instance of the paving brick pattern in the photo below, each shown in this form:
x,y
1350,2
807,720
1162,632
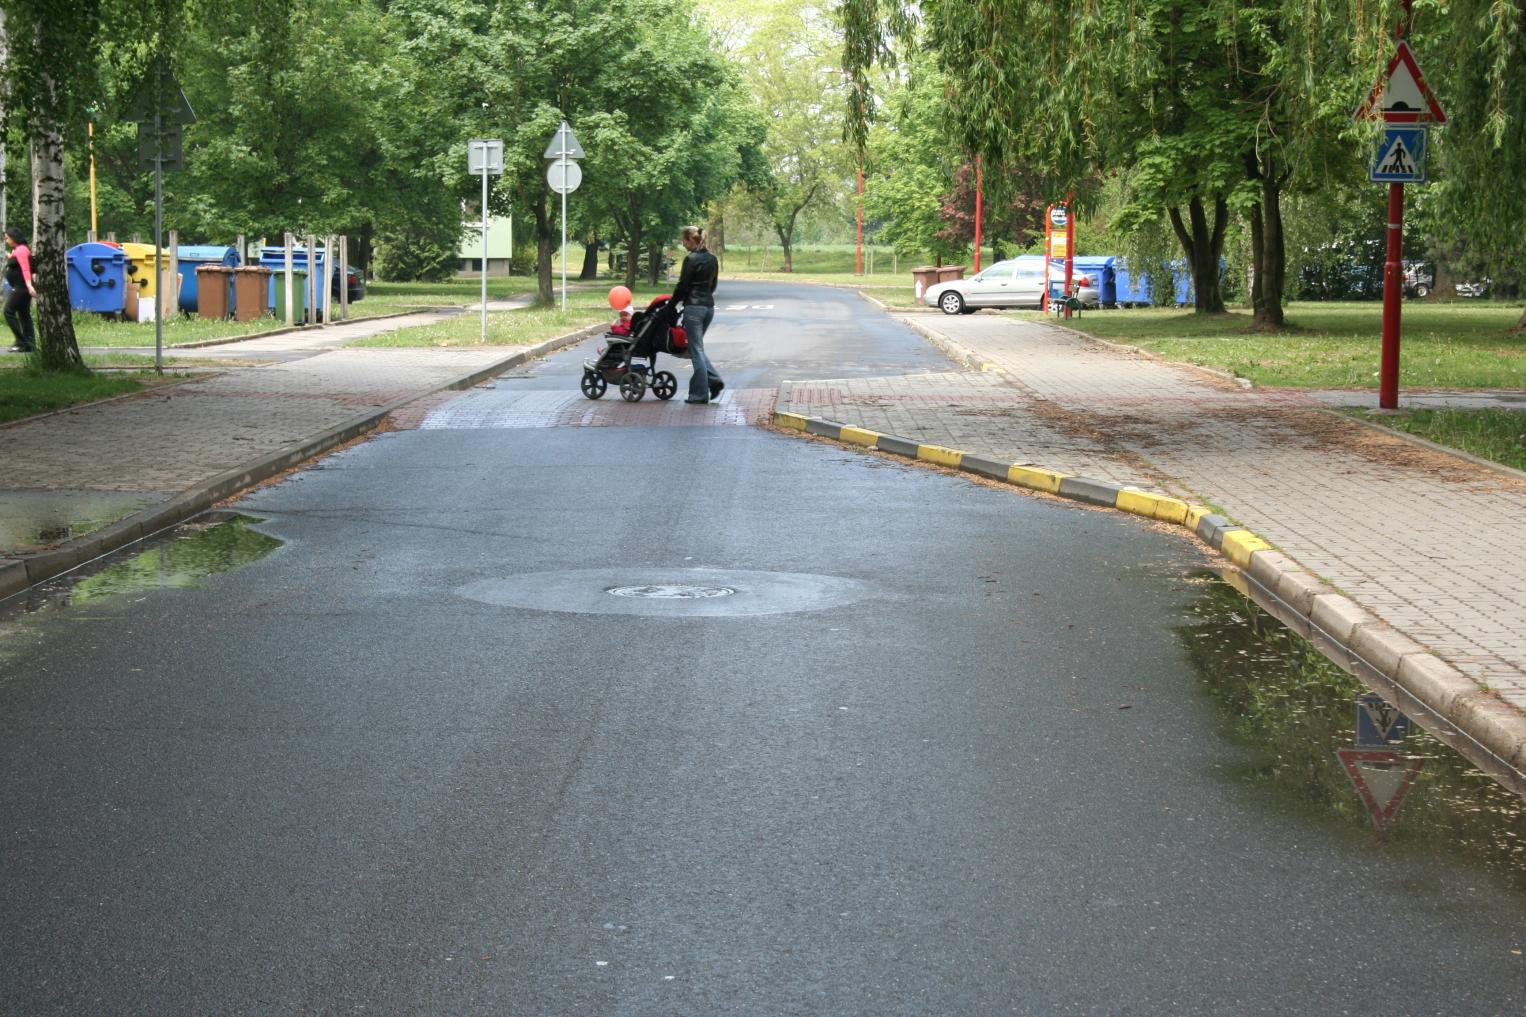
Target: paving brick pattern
x,y
508,409
173,439
1432,544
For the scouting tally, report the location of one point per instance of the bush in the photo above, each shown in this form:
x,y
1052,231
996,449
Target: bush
x,y
411,257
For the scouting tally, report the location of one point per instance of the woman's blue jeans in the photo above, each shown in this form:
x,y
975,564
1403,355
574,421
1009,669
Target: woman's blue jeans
x,y
696,320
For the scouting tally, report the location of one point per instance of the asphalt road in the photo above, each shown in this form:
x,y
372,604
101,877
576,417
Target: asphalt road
x,y
909,745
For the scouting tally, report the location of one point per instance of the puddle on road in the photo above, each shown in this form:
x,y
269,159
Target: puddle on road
x,y
181,559
32,520
1292,709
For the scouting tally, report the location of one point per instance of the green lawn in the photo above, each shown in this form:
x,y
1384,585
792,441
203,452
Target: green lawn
x,y
528,325
1333,345
25,391
1495,434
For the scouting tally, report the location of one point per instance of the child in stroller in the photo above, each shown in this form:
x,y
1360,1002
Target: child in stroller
x,y
630,360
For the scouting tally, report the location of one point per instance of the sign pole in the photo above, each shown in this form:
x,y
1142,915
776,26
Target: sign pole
x,y
1070,247
979,188
564,242
484,243
158,300
1393,290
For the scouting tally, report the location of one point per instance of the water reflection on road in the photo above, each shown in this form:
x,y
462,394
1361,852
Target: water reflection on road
x,y
1292,708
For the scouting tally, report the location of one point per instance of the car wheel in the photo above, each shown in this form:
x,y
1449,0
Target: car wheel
x,y
951,303
1422,291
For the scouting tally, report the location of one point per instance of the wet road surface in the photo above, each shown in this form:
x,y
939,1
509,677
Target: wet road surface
x,y
483,734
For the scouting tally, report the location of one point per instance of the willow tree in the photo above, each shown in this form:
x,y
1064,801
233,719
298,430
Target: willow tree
x,y
1209,105
1481,82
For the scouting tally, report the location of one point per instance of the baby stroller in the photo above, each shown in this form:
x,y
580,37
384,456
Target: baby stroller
x,y
630,361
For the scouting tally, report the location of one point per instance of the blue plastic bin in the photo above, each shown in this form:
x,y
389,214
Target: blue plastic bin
x,y
97,278
191,255
274,258
1103,275
1128,290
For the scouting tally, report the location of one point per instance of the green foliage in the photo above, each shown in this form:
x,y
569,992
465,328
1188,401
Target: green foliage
x,y
416,257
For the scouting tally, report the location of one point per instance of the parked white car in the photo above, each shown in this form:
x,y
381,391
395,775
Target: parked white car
x,y
1016,282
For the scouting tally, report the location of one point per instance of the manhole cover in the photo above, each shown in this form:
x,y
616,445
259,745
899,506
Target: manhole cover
x,y
668,592
665,592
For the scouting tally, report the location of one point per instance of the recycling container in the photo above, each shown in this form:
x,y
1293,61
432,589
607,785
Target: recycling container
x,y
1129,290
192,257
924,277
249,285
1103,272
214,291
948,273
274,258
140,266
97,278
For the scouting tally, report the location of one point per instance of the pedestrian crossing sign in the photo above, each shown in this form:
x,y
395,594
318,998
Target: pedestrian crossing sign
x,y
1401,157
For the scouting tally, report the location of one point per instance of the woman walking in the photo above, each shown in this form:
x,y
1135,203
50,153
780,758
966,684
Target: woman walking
x,y
18,305
696,290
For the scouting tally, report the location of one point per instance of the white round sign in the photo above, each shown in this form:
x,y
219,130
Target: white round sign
x,y
564,176
1058,216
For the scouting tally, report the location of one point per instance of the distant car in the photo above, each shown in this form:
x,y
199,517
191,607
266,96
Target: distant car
x,y
1016,282
1418,279
355,282
1477,289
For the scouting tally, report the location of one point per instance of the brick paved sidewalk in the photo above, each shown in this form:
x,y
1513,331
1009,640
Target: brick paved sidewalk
x,y
1432,544
94,469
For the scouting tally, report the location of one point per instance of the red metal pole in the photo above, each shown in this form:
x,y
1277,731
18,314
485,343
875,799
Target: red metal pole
x,y
858,260
1393,291
979,185
1070,245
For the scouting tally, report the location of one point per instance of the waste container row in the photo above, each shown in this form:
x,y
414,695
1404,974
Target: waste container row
x,y
111,278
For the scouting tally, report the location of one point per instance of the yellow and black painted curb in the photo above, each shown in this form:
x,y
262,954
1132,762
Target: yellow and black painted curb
x,y
1491,733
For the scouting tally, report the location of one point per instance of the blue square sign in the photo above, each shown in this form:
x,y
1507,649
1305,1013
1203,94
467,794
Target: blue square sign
x,y
1401,157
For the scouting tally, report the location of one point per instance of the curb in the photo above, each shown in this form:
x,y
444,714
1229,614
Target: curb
x,y
1490,733
20,574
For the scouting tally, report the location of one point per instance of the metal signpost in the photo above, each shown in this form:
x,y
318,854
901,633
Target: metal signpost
x,y
485,156
564,175
1404,103
160,110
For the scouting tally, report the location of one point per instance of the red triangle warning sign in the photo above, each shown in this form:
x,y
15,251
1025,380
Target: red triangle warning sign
x,y
1401,95
1382,779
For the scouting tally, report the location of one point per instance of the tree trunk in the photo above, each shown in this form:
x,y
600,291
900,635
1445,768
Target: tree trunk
x,y
590,260
1203,243
1268,313
545,249
786,234
632,255
1257,270
58,349
1520,326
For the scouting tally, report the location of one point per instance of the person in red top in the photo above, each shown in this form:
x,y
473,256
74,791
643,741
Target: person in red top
x,y
18,305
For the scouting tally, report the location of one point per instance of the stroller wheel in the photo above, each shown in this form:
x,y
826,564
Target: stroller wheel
x,y
593,384
664,385
632,387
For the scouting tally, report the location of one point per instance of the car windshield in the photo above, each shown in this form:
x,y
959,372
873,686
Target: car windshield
x,y
1001,268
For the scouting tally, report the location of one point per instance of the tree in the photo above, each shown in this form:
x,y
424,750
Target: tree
x,y
1480,53
42,48
790,65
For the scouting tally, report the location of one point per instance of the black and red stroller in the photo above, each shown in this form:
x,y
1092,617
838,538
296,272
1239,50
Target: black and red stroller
x,y
630,361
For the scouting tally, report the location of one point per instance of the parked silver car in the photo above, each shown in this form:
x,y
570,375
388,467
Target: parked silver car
x,y
1016,282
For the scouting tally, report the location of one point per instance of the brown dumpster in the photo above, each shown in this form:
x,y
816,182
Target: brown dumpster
x,y
948,273
214,287
924,277
251,285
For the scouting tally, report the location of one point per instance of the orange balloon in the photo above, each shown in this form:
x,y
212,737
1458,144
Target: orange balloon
x,y
619,298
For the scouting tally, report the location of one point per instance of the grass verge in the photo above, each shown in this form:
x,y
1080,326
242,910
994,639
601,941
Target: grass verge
x,y
26,391
1498,435
1333,345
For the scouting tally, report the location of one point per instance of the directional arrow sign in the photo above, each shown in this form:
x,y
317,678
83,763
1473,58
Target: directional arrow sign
x,y
564,144
1382,779
1401,95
